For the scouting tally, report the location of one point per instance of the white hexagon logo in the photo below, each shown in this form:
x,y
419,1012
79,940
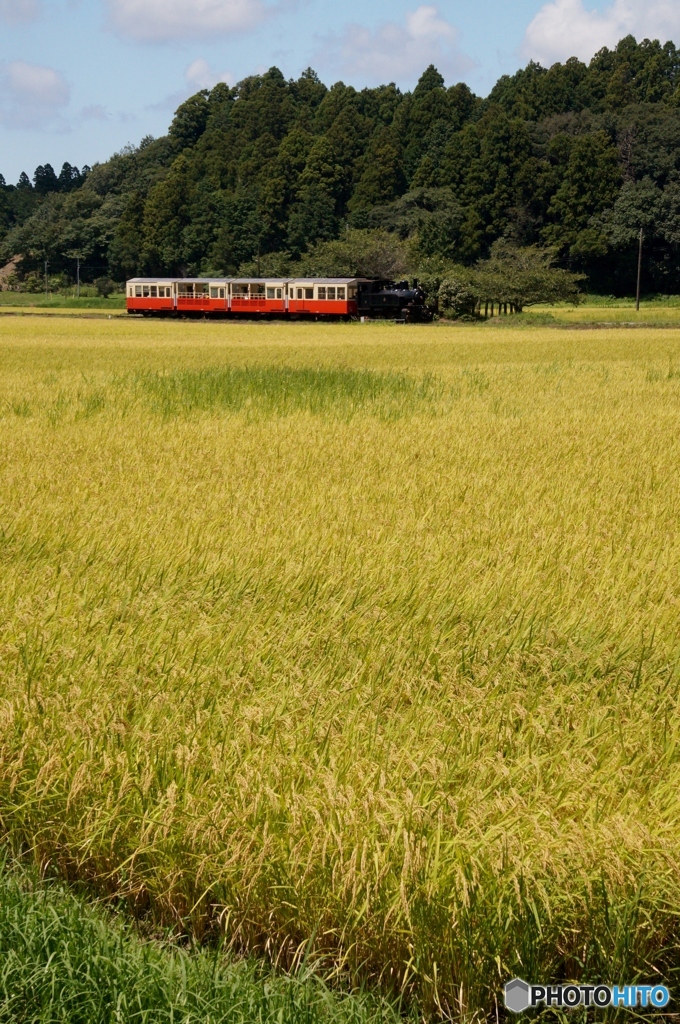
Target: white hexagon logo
x,y
517,996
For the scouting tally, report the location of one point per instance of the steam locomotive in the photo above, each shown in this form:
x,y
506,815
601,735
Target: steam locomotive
x,y
311,298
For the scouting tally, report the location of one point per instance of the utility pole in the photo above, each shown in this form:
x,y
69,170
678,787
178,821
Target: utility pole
x,y
46,284
639,277
78,276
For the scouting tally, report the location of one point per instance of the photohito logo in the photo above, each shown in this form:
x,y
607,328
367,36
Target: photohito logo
x,y
521,996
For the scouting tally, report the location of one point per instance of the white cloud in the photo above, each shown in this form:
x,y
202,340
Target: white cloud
x,y
567,28
397,52
16,11
95,112
31,95
200,75
163,20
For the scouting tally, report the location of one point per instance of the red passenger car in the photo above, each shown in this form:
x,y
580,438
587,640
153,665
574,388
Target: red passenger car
x,y
333,296
257,296
199,296
252,297
150,295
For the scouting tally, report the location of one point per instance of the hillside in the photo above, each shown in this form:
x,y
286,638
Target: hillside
x,y
577,157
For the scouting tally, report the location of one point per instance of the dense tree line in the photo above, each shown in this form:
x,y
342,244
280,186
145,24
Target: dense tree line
x,y
18,202
576,158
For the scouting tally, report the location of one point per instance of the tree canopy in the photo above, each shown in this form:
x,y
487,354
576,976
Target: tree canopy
x,y
573,159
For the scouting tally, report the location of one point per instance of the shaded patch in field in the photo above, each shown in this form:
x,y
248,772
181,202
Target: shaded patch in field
x,y
281,390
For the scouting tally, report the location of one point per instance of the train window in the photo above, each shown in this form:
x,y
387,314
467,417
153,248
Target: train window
x,y
331,293
213,293
168,293
279,293
258,290
221,293
154,291
299,293
270,293
186,289
201,289
322,292
309,293
240,289
352,292
145,291
138,291
341,293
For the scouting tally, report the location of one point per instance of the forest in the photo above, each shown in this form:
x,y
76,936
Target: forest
x,y
273,173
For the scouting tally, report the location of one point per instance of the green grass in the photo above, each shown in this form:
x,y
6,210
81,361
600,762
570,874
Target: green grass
x,y
63,960
350,639
653,315
646,301
275,390
58,301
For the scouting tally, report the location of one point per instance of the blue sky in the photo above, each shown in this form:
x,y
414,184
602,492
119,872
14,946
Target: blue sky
x,y
81,78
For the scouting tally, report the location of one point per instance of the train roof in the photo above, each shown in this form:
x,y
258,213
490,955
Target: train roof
x,y
245,280
179,280
296,280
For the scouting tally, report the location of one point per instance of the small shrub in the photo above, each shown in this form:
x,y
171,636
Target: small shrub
x,y
105,287
456,298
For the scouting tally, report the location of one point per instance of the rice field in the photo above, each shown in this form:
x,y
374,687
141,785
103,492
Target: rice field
x,y
650,313
351,644
64,958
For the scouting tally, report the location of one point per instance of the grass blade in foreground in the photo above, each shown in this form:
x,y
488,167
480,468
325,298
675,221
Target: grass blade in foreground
x,y
62,960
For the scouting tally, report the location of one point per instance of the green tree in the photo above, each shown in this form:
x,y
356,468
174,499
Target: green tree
x,y
45,180
312,218
239,238
638,206
190,120
589,185
167,214
383,178
511,277
432,218
358,254
668,223
70,178
458,293
125,250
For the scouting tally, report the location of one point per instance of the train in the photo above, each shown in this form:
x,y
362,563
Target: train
x,y
339,298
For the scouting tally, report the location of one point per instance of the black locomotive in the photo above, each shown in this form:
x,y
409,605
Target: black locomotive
x,y
393,300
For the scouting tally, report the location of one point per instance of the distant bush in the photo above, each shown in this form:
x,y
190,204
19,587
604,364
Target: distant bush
x,y
105,286
358,253
457,294
33,282
512,277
